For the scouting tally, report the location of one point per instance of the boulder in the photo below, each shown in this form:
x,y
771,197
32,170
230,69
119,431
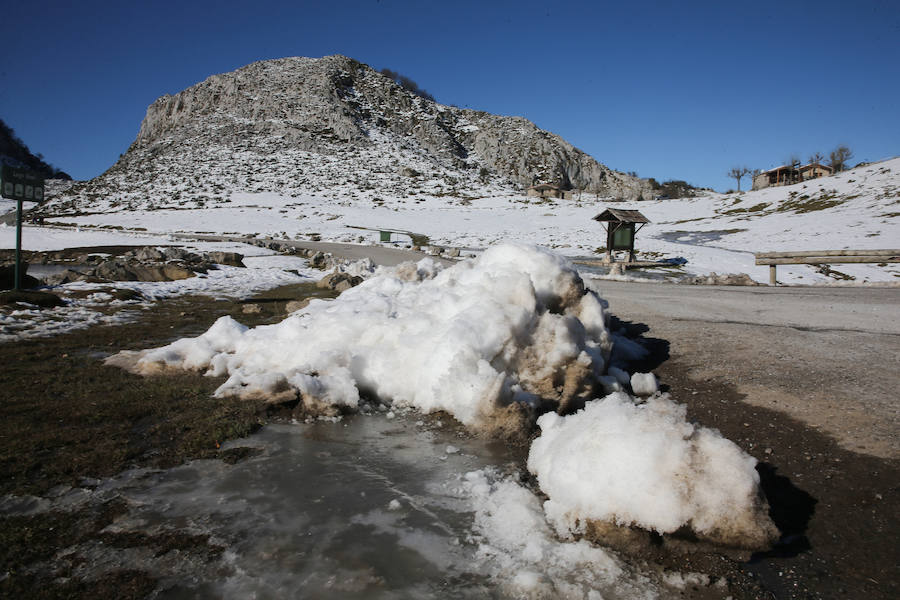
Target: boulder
x,y
67,276
8,276
39,299
173,272
231,259
149,254
114,270
295,305
180,254
317,260
120,270
339,281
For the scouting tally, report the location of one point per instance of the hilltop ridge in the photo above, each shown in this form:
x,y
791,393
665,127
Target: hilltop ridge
x,y
306,125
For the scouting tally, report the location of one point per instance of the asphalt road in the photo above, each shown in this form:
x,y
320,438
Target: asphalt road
x,y
828,356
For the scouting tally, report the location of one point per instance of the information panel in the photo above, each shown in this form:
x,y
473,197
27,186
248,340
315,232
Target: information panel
x,y
20,184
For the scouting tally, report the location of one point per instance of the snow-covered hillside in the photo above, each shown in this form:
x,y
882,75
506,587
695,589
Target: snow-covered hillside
x,y
856,209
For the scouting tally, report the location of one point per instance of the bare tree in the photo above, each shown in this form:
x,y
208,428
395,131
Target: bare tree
x,y
794,172
839,157
816,158
738,173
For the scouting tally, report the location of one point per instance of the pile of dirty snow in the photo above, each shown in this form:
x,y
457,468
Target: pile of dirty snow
x,y
512,333
644,465
516,326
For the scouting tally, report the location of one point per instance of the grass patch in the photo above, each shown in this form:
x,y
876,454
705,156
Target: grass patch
x,y
66,418
689,220
807,205
757,208
64,415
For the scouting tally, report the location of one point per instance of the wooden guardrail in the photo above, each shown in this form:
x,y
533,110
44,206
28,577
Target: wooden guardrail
x,y
824,257
385,234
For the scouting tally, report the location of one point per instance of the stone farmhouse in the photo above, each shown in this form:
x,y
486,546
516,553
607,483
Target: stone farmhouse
x,y
790,174
548,190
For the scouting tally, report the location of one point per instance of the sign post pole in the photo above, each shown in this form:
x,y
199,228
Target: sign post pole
x,y
18,274
19,184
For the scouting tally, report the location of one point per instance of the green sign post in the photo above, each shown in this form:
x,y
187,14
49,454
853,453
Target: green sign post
x,y
20,185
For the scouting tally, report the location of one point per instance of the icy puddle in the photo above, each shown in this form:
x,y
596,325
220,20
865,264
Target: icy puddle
x,y
368,507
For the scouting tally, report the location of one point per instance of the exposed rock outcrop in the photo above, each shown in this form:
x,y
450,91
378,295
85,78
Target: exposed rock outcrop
x,y
301,125
147,264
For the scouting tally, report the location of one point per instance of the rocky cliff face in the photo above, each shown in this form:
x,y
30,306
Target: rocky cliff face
x,y
333,126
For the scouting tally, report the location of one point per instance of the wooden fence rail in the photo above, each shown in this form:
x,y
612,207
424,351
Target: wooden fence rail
x,y
824,257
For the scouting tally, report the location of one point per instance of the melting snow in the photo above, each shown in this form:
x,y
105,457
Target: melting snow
x,y
515,327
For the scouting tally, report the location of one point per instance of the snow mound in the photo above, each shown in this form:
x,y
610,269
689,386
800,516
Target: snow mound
x,y
480,340
527,559
645,465
495,341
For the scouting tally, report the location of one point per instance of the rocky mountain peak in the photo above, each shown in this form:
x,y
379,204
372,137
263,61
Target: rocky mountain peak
x,y
305,125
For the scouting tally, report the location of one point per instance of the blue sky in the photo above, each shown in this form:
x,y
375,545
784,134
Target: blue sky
x,y
671,90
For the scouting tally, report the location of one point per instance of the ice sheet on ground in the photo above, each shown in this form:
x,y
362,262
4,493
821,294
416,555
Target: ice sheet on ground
x,y
364,508
515,541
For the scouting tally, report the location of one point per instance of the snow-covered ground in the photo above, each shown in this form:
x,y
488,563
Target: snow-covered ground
x,y
856,209
264,270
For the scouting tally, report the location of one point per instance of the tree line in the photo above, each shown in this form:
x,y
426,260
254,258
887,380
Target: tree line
x,y
15,152
837,160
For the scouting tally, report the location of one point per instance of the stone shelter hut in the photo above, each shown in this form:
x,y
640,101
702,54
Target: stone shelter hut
x,y
814,171
545,190
789,174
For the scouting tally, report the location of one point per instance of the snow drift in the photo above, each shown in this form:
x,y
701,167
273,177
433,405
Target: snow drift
x,y
644,465
514,328
493,342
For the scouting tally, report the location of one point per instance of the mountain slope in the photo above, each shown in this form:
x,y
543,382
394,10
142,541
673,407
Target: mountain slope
x,y
302,125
